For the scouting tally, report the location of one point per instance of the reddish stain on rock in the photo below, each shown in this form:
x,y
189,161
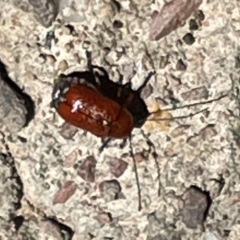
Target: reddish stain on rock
x,y
117,167
65,192
87,169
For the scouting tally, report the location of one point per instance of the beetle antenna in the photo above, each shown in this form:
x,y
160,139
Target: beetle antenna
x,y
178,117
136,175
154,155
188,105
197,103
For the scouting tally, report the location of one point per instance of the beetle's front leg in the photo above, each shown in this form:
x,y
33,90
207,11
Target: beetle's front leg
x,y
123,144
147,79
105,143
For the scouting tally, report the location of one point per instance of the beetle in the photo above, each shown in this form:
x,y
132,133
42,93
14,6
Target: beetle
x,y
91,101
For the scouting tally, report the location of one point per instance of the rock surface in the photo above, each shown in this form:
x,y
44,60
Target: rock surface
x,y
192,65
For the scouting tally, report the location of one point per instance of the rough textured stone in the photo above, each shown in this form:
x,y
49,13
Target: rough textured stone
x,y
13,112
197,150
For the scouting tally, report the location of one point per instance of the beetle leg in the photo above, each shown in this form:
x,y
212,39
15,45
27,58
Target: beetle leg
x,y
89,60
123,144
97,80
146,81
128,85
152,149
100,72
104,144
136,175
120,80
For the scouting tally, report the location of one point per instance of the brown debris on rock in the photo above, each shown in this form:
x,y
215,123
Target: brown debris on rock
x,y
64,193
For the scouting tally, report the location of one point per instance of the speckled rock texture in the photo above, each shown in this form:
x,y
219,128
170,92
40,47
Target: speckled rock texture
x,y
13,113
44,11
188,168
11,194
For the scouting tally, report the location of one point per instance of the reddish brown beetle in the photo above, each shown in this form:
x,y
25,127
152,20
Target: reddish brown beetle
x,y
91,101
87,108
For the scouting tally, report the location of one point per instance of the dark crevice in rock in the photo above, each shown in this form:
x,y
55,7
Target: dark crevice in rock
x,y
18,222
208,198
17,185
22,96
66,232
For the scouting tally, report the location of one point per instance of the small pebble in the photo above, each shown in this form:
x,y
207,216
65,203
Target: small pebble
x,y
193,26
188,39
68,47
181,66
50,59
69,29
195,206
117,24
199,15
63,65
87,169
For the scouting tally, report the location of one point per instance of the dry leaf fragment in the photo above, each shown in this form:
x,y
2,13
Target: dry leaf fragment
x,y
64,193
159,120
172,15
